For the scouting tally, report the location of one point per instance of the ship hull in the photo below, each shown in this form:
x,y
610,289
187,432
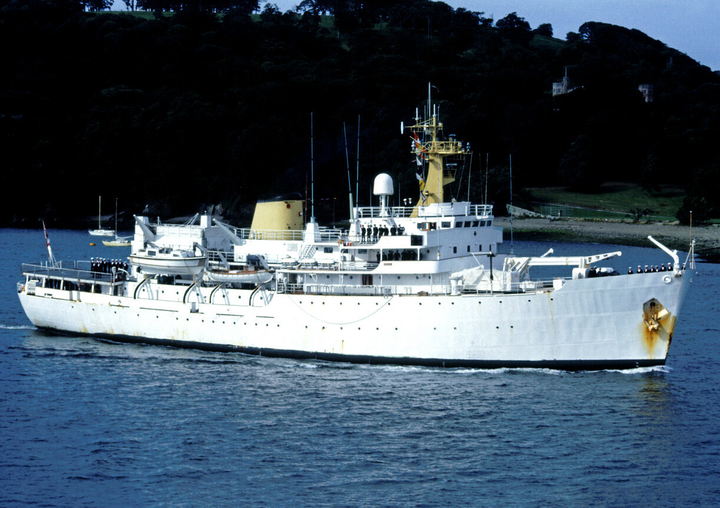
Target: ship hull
x,y
598,323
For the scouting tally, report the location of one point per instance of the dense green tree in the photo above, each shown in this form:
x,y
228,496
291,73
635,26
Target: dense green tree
x,y
544,29
98,5
191,109
515,28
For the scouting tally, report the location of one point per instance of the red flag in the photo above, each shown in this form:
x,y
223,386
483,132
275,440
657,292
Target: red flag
x,y
51,259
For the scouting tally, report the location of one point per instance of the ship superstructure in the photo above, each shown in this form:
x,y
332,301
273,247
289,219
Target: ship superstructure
x,y
422,284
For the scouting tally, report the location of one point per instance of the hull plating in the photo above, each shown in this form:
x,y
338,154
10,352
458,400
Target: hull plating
x,y
590,323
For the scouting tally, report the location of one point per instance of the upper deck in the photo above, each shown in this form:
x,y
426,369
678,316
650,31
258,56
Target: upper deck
x,y
434,210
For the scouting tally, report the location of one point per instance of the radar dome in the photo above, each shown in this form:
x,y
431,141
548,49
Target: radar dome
x,y
383,185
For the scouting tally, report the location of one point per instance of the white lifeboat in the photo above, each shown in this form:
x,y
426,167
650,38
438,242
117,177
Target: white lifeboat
x,y
256,271
167,261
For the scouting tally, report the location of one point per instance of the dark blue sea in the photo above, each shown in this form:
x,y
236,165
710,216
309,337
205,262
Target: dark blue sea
x,y
85,422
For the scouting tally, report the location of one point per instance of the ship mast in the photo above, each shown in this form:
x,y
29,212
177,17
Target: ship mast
x,y
426,146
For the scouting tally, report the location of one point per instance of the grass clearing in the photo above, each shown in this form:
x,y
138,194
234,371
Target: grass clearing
x,y
613,200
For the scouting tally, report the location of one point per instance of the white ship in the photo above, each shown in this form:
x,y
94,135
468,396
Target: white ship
x,y
421,284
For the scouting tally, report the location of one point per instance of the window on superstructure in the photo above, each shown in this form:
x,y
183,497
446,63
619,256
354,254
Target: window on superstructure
x,y
446,224
468,223
475,223
468,248
458,224
454,250
328,250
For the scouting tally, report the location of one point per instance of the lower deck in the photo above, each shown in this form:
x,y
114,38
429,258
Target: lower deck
x,y
626,319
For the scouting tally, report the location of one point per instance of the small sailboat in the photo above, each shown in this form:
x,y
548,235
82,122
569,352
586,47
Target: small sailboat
x,y
117,242
100,231
120,241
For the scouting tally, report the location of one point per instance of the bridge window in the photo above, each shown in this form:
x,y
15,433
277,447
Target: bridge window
x,y
446,224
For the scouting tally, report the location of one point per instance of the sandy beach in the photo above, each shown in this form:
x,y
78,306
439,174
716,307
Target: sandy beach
x,y
707,238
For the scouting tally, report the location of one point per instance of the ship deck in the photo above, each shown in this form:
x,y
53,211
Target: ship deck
x,y
77,276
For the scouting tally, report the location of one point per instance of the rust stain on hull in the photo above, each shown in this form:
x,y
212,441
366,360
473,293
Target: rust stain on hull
x,y
658,324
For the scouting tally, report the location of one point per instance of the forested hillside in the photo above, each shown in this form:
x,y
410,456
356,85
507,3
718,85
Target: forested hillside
x,y
178,110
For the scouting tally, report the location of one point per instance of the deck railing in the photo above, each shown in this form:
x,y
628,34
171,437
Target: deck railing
x,y
435,210
525,287
68,270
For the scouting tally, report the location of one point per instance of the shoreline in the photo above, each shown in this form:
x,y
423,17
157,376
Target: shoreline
x,y
674,236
